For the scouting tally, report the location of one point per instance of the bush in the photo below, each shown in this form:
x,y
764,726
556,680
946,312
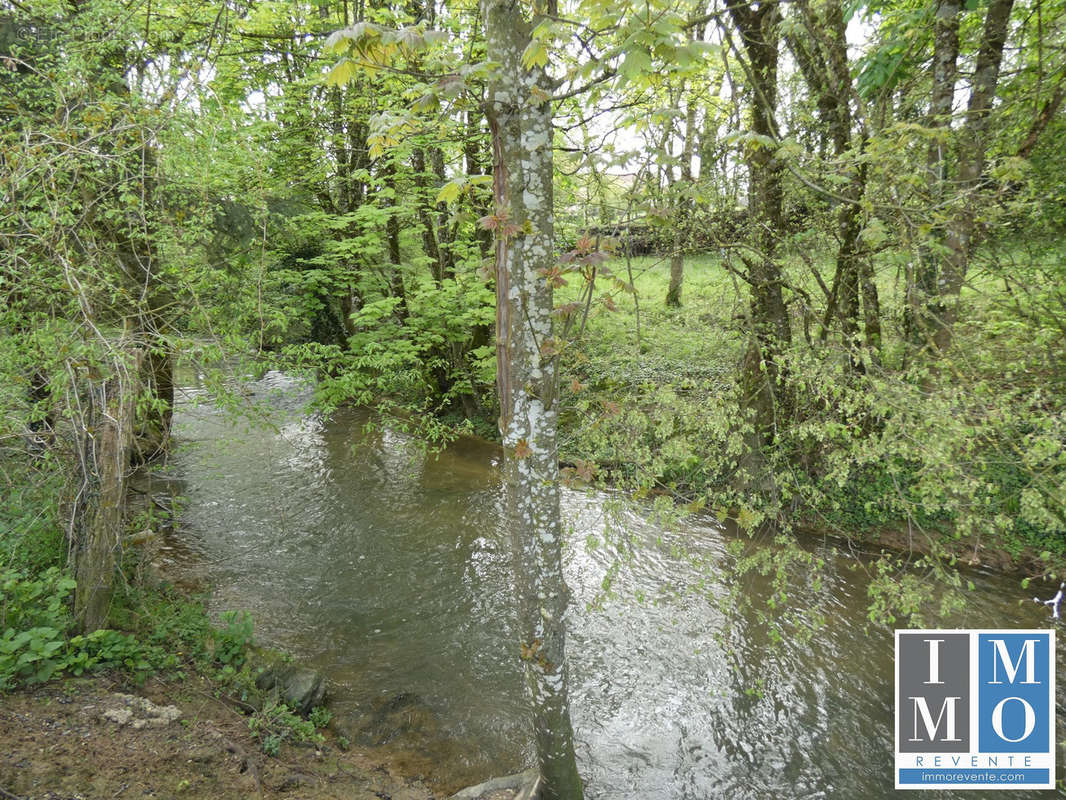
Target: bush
x,y
167,631
31,537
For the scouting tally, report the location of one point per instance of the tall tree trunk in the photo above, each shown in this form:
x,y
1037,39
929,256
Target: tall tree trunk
x,y
139,260
683,205
425,216
472,147
396,289
445,236
922,296
871,306
109,449
526,375
825,68
392,235
765,379
677,272
960,228
481,335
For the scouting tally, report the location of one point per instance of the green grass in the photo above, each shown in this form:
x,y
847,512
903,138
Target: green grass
x,y
965,445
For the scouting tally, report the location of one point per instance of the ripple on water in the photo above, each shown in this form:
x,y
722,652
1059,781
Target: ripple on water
x,y
389,570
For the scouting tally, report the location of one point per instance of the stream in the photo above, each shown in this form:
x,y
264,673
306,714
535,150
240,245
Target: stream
x,y
387,569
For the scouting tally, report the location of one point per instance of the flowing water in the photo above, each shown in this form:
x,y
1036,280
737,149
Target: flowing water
x,y
388,569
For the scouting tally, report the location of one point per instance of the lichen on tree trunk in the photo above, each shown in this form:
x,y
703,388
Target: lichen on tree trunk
x,y
110,440
520,120
765,380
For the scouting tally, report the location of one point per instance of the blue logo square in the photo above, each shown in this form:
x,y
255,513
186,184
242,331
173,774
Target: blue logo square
x,y
1012,685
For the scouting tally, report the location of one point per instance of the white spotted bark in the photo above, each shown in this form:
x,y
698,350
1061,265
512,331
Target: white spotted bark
x,y
520,120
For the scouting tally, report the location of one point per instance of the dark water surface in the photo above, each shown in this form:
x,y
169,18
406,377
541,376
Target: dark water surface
x,y
388,569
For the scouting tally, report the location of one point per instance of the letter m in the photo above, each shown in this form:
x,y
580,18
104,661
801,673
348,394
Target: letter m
x,y
1002,656
921,709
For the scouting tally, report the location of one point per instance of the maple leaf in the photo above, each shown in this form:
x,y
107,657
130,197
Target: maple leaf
x,y
522,449
553,276
508,229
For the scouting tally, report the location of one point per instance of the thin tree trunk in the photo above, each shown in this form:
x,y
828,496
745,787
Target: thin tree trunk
x,y
425,216
481,335
396,289
959,239
677,274
526,374
683,205
392,237
141,265
1040,122
922,297
475,166
825,69
871,306
444,235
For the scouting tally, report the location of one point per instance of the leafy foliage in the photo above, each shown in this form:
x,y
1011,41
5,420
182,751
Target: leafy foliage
x,y
319,199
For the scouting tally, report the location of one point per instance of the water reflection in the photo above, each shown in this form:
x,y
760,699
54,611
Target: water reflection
x,y
388,569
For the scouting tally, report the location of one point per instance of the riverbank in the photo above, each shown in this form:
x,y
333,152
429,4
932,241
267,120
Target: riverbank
x,y
449,677
65,697
61,741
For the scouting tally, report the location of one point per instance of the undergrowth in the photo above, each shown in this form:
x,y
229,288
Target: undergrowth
x,y
967,451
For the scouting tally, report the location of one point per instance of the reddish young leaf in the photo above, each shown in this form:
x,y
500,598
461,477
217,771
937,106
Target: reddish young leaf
x,y
549,348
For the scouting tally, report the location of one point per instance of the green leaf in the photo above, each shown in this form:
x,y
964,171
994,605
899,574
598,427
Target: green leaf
x,y
450,191
535,55
341,73
637,63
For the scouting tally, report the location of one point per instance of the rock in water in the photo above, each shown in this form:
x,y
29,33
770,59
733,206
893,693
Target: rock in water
x,y
300,688
403,717
520,786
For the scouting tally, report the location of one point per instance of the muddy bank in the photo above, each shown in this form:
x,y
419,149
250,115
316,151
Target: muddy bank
x,y
968,551
64,740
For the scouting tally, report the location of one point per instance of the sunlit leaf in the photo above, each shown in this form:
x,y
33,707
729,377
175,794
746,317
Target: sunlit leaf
x,y
450,191
637,62
535,55
341,73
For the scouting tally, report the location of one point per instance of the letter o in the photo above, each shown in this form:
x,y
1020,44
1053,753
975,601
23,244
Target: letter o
x,y
997,719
